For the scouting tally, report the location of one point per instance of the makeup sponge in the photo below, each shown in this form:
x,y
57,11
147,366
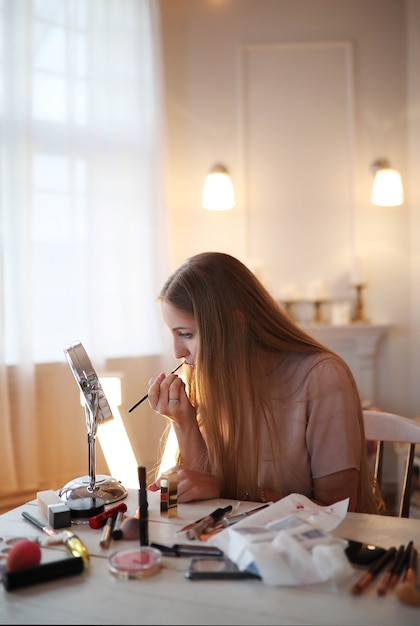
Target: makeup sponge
x,y
24,553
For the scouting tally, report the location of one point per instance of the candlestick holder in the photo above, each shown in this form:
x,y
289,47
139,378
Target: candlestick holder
x,y
318,317
359,313
288,307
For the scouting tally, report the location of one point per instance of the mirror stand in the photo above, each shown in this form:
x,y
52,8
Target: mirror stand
x,y
96,409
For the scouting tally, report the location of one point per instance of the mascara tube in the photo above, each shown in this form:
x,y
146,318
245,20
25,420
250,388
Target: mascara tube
x,y
75,546
143,507
116,528
26,576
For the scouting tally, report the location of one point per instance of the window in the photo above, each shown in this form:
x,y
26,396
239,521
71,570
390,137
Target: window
x,y
81,209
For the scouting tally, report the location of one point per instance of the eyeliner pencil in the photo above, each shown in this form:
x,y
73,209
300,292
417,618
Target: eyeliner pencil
x,y
36,522
373,571
143,506
146,395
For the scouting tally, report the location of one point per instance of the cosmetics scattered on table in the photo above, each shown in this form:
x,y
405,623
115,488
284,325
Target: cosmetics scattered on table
x,y
72,542
400,565
402,562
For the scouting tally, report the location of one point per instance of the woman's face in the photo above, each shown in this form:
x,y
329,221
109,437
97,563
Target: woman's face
x,y
183,328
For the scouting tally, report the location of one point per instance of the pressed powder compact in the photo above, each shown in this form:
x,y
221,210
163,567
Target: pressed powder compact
x,y
139,562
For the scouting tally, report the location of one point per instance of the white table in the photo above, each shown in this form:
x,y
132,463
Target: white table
x,y
97,597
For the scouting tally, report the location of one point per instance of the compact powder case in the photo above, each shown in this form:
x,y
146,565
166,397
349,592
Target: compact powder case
x,y
135,562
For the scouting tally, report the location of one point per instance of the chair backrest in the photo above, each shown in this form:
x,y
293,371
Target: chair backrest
x,y
389,427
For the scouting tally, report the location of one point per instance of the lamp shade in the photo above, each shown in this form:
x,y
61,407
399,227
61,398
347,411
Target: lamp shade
x,y
387,189
218,193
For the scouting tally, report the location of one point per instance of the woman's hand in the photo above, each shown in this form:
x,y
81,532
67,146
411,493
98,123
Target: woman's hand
x,y
192,485
167,396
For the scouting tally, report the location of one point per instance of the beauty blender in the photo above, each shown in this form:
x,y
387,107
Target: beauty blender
x,y
130,528
24,553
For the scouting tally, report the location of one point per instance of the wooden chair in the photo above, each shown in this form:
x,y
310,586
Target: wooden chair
x,y
389,427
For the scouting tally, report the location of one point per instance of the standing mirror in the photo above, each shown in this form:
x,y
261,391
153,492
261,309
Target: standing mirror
x,y
97,410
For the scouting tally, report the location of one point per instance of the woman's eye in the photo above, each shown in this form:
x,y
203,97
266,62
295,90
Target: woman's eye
x,y
185,335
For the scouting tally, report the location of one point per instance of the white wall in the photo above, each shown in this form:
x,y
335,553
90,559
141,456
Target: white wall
x,y
215,112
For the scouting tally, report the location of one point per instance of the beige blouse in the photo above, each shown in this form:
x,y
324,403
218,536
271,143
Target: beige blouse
x,y
317,433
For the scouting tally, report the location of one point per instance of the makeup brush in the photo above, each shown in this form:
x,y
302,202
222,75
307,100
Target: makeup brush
x,y
146,395
407,591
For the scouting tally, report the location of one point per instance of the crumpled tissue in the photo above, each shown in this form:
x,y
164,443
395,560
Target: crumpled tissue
x,y
289,542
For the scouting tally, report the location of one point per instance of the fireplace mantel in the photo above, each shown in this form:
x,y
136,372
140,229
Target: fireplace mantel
x,y
358,344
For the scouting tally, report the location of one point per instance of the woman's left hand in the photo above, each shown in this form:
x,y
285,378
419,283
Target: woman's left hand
x,y
192,485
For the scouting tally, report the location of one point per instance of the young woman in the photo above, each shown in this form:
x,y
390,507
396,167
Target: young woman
x,y
266,409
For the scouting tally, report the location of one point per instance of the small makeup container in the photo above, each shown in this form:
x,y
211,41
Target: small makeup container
x,y
137,563
82,509
59,515
169,494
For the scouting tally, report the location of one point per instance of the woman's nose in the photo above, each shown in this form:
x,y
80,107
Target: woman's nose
x,y
180,350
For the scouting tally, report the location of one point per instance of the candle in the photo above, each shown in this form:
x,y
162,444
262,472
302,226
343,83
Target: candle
x,y
317,291
357,273
289,293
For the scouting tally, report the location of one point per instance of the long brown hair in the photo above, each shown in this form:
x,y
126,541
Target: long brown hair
x,y
238,320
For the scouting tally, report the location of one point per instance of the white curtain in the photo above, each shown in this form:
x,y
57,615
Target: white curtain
x,y
82,236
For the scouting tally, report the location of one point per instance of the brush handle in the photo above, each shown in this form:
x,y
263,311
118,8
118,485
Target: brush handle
x,y
146,395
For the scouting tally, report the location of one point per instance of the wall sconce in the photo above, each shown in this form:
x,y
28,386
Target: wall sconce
x,y
387,187
218,193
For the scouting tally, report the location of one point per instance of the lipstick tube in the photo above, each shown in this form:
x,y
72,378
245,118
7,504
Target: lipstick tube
x,y
98,520
106,533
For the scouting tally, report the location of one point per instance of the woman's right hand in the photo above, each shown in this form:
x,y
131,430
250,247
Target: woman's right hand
x,y
168,397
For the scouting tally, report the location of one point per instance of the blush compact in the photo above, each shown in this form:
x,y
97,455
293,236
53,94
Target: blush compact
x,y
139,562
